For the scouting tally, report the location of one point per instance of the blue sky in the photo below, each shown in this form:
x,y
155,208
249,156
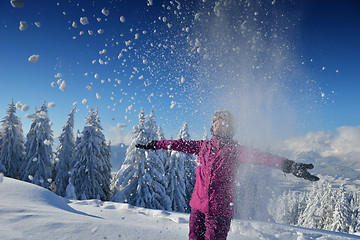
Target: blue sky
x,y
189,59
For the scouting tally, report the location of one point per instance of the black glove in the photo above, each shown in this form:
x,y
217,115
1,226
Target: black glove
x,y
149,145
299,170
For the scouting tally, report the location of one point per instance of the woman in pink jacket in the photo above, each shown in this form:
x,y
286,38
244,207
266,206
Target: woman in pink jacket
x,y
212,204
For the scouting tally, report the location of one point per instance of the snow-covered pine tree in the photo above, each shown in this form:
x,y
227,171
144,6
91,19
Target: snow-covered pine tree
x,y
141,181
90,165
320,207
206,135
37,167
63,155
165,154
289,207
12,148
342,214
176,190
189,167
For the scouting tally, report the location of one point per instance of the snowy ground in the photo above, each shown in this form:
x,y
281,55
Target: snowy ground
x,y
31,212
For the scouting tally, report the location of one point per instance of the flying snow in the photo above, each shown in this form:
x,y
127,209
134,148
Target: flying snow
x,y
84,20
62,86
105,12
51,104
23,26
34,58
17,3
25,107
122,19
38,24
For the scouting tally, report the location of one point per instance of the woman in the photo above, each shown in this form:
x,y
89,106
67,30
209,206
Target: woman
x,y
212,204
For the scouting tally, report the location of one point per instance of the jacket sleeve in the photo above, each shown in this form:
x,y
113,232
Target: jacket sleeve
x,y
253,156
180,145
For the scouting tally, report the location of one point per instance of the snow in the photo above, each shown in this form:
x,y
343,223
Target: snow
x,y
84,20
34,58
23,26
32,212
105,12
51,104
62,86
17,3
25,107
122,19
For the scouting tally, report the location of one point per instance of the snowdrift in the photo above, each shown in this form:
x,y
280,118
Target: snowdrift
x,y
32,212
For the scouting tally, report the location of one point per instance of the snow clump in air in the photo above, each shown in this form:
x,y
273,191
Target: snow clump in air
x,y
25,107
84,20
74,25
18,105
51,104
38,24
105,12
98,96
84,101
23,26
173,103
17,3
122,19
62,86
34,58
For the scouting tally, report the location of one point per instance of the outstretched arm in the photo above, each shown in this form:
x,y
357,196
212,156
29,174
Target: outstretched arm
x,y
181,145
254,156
299,170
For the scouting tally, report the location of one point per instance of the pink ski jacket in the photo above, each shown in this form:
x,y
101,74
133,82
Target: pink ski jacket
x,y
217,164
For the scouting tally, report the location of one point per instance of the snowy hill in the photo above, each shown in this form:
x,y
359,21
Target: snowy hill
x,y
32,212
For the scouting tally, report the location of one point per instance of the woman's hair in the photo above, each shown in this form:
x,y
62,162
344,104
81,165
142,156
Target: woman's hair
x,y
228,119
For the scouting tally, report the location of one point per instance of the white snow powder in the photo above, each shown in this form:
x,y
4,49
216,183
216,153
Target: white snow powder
x,y
25,107
84,20
38,24
100,31
62,86
84,101
34,58
51,104
105,12
122,19
17,3
98,96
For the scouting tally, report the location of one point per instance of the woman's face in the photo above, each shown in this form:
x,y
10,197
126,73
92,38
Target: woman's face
x,y
219,127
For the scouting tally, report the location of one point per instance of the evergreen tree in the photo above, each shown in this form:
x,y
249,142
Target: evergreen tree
x,y
141,181
37,167
320,207
176,182
12,148
206,135
342,215
90,165
189,167
64,153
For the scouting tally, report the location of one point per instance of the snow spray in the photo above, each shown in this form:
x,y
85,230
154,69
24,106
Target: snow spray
x,y
248,67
